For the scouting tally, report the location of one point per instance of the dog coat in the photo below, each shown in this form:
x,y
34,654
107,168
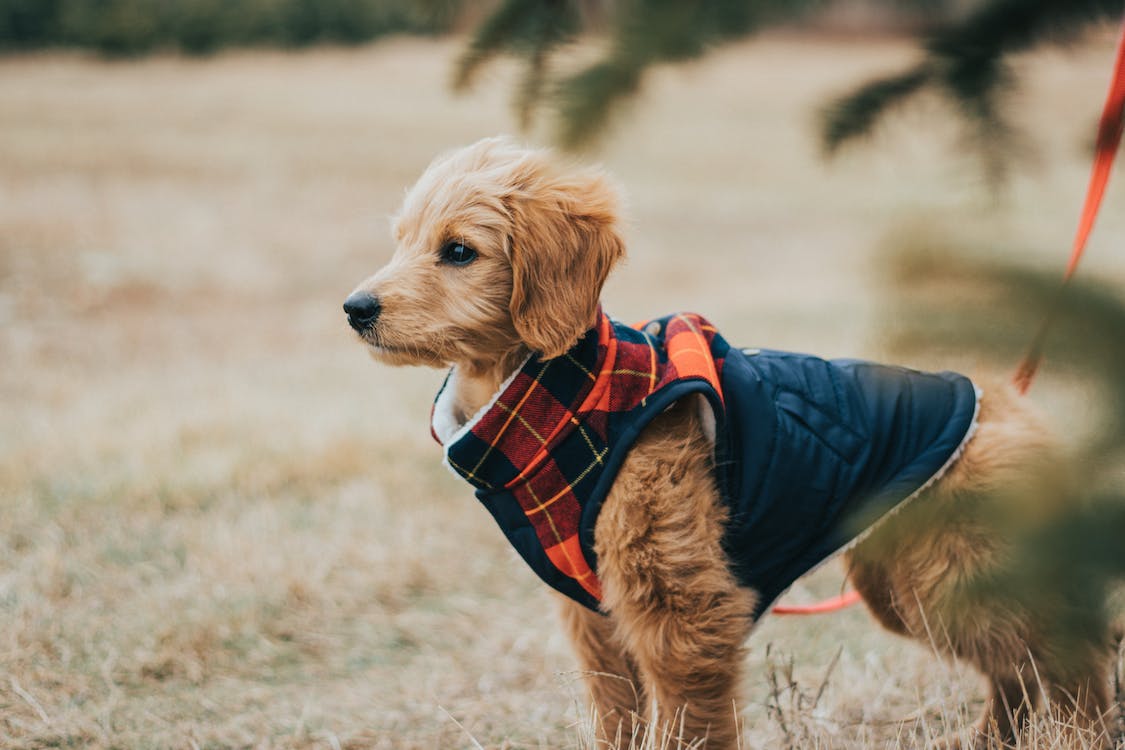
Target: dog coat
x,y
808,453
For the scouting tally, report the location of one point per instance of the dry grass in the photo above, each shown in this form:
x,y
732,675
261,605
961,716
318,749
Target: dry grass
x,y
222,526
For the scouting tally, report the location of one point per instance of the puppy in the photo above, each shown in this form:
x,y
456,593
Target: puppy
x,y
671,486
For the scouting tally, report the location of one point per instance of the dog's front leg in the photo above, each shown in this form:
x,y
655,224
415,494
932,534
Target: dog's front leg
x,y
610,674
667,582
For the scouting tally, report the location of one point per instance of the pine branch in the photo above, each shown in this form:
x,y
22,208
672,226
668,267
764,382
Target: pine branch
x,y
853,116
642,33
586,101
649,32
528,28
965,62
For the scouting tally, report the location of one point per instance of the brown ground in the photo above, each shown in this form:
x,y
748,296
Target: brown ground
x,y
222,526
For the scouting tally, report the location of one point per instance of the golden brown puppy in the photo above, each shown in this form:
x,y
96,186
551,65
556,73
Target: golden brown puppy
x,y
501,255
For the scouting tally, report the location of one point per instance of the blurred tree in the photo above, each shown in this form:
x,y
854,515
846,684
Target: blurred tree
x,y
34,22
133,27
965,48
945,298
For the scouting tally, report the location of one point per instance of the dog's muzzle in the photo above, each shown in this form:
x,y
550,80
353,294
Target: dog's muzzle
x,y
363,310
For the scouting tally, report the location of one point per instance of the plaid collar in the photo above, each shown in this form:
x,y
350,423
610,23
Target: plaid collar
x,y
547,438
536,407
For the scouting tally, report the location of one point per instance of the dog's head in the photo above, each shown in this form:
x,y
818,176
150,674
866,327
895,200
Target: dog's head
x,y
498,248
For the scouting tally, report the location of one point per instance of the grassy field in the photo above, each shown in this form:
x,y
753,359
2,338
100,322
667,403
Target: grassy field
x,y
222,526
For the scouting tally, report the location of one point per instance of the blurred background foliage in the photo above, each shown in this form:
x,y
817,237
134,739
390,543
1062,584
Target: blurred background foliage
x,y
964,45
134,27
1068,557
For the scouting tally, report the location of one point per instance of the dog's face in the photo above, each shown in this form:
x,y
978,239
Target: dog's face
x,y
498,248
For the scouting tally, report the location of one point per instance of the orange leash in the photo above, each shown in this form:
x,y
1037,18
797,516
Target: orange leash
x,y
1109,138
846,599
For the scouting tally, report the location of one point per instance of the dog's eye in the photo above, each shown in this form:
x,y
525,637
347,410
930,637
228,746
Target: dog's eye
x,y
458,254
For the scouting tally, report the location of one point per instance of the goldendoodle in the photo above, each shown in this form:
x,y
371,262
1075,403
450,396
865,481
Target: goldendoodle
x,y
672,486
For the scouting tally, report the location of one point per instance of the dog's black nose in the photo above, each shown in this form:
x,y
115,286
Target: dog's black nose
x,y
362,309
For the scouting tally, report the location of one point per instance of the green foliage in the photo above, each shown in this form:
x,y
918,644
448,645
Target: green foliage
x,y
646,32
951,302
531,29
965,62
965,57
641,33
29,23
990,312
132,27
857,114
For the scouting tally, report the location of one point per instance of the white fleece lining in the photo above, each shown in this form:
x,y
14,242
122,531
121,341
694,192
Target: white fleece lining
x,y
445,424
956,454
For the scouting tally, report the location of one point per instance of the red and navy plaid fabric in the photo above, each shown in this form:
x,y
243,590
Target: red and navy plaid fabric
x,y
546,440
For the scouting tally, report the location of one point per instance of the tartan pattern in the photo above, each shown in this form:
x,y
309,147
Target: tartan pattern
x,y
546,439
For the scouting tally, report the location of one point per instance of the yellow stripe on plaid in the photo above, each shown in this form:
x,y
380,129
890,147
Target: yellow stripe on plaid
x,y
652,369
540,507
511,415
563,553
579,572
650,376
460,470
651,362
580,366
586,436
524,422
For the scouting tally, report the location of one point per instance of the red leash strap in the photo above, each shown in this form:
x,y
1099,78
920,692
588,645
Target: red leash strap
x,y
846,599
1109,138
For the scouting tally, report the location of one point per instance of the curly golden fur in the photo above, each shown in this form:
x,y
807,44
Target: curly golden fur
x,y
675,619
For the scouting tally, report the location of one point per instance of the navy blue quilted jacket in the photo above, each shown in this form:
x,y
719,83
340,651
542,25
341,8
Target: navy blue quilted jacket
x,y
822,450
809,452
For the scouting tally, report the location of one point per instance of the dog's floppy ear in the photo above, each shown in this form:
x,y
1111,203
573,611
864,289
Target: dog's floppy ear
x,y
564,243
